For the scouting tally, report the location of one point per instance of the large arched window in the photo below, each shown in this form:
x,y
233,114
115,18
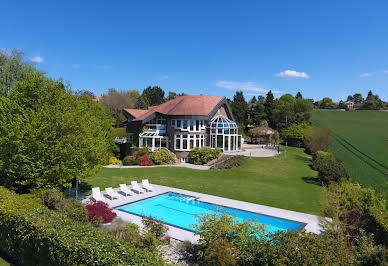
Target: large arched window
x,y
224,134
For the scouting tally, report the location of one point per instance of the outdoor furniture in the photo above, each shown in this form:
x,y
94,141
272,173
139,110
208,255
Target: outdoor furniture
x,y
125,190
146,185
111,194
136,187
96,194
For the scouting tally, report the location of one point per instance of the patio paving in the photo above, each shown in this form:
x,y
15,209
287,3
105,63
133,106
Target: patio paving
x,y
312,221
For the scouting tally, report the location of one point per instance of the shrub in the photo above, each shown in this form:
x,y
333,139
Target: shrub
x,y
75,210
163,157
131,233
367,252
318,140
296,134
329,168
100,209
51,198
230,163
203,155
130,160
31,234
352,208
141,152
144,161
155,227
225,241
113,160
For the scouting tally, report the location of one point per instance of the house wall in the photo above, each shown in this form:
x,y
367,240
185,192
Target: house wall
x,y
171,131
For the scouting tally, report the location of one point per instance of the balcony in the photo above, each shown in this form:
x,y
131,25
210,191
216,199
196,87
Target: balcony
x,y
160,129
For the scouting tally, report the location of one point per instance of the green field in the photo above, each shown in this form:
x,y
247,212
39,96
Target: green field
x,y
360,139
283,182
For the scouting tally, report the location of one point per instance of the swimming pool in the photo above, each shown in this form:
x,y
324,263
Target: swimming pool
x,y
182,211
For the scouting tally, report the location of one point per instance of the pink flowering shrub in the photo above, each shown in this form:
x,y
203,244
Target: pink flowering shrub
x,y
144,161
100,209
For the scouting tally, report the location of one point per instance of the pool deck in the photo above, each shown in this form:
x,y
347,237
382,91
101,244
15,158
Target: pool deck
x,y
312,221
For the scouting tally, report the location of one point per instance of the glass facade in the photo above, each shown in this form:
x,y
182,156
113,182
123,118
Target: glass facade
x,y
224,134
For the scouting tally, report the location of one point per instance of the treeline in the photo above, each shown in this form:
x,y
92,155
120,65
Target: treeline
x,y
279,113
371,102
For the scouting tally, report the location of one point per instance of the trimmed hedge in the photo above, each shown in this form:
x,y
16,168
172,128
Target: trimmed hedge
x,y
163,157
32,234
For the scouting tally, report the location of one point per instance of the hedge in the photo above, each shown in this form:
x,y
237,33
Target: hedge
x,y
32,234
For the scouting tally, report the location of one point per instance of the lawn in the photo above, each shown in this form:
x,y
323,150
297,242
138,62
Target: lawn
x,y
360,139
282,181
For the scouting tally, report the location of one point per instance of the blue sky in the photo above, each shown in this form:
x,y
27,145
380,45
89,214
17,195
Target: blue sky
x,y
322,48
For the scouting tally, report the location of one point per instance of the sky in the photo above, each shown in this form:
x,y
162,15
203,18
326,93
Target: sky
x,y
321,48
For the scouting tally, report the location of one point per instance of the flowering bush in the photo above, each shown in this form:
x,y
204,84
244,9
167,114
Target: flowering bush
x,y
100,209
130,160
144,161
113,160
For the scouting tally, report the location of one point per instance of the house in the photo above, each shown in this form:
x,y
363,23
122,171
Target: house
x,y
349,105
184,123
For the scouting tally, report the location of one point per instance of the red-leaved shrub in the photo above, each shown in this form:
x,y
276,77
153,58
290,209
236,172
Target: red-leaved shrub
x,y
100,209
144,161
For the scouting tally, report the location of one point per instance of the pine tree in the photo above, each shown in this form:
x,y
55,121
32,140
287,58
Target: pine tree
x,y
239,107
269,108
141,103
299,95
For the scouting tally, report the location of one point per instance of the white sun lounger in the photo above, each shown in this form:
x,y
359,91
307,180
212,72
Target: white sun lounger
x,y
111,194
146,185
125,190
136,187
96,194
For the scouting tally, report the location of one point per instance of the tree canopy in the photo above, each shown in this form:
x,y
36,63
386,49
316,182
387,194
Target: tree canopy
x,y
13,68
116,101
153,95
48,136
239,107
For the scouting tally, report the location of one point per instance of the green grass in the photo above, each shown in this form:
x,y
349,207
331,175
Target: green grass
x,y
360,139
3,262
283,182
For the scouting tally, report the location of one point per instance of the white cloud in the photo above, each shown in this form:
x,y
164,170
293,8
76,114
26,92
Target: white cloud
x,y
292,74
365,75
248,86
37,59
385,71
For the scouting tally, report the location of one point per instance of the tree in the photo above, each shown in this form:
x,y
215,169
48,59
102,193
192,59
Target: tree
x,y
48,136
318,140
239,107
269,108
141,103
171,95
116,101
13,68
296,134
80,93
327,103
357,98
153,95
299,95
350,98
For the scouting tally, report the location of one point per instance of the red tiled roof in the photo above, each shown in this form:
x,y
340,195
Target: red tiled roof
x,y
200,105
135,112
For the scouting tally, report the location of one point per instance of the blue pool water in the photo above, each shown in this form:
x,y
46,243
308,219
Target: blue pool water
x,y
182,211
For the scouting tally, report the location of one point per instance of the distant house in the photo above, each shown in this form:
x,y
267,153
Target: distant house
x,y
184,123
97,98
350,105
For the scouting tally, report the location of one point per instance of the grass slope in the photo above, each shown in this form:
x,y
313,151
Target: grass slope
x,y
280,181
360,139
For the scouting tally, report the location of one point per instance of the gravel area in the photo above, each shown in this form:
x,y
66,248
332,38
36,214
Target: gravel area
x,y
172,253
